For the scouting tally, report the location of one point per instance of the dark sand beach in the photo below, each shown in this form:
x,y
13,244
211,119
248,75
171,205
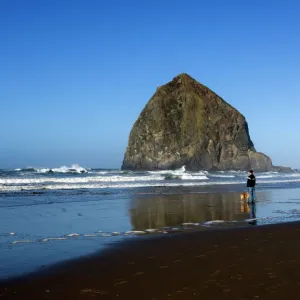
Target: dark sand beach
x,y
242,263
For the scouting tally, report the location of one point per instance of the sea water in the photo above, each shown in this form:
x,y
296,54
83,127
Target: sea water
x,y
49,215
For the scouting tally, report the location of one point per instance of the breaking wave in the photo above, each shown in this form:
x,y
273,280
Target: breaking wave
x,y
78,177
75,168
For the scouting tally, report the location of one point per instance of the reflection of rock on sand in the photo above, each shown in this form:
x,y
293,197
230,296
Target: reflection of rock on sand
x,y
173,210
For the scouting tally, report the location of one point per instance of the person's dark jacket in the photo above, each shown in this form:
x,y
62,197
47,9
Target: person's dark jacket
x,y
251,181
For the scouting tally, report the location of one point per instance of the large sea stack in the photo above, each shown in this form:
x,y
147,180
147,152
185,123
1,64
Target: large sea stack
x,y
186,124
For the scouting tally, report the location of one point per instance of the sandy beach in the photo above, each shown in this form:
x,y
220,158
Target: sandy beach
x,y
241,263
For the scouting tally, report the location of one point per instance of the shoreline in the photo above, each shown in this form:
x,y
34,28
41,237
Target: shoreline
x,y
242,263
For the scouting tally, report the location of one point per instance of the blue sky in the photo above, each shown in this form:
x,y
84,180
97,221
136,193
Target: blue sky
x,y
74,75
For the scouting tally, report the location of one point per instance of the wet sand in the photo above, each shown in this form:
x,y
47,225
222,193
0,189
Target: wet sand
x,y
242,263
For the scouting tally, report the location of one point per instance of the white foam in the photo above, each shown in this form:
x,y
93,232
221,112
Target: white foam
x,y
75,168
105,234
221,176
291,211
22,241
265,176
135,232
119,179
175,229
188,176
214,222
190,224
12,233
252,219
112,185
81,180
150,230
72,234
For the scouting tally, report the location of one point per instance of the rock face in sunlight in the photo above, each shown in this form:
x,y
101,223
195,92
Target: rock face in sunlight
x,y
185,123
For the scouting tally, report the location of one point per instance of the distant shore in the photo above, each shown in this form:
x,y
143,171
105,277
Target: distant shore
x,y
242,263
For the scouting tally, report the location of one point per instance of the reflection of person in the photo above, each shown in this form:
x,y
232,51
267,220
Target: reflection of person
x,y
252,207
251,182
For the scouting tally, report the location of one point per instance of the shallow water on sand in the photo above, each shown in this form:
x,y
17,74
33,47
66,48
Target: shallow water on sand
x,y
42,229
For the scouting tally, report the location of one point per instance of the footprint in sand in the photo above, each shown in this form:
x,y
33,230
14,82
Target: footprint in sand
x,y
177,261
164,267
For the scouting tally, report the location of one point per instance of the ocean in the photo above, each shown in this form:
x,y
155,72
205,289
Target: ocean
x,y
51,215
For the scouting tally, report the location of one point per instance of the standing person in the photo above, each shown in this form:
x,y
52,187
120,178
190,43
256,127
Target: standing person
x,y
251,181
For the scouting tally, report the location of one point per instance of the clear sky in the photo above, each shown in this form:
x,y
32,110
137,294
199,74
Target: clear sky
x,y
74,75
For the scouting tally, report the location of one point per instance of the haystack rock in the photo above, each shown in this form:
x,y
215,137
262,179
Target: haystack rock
x,y
186,124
